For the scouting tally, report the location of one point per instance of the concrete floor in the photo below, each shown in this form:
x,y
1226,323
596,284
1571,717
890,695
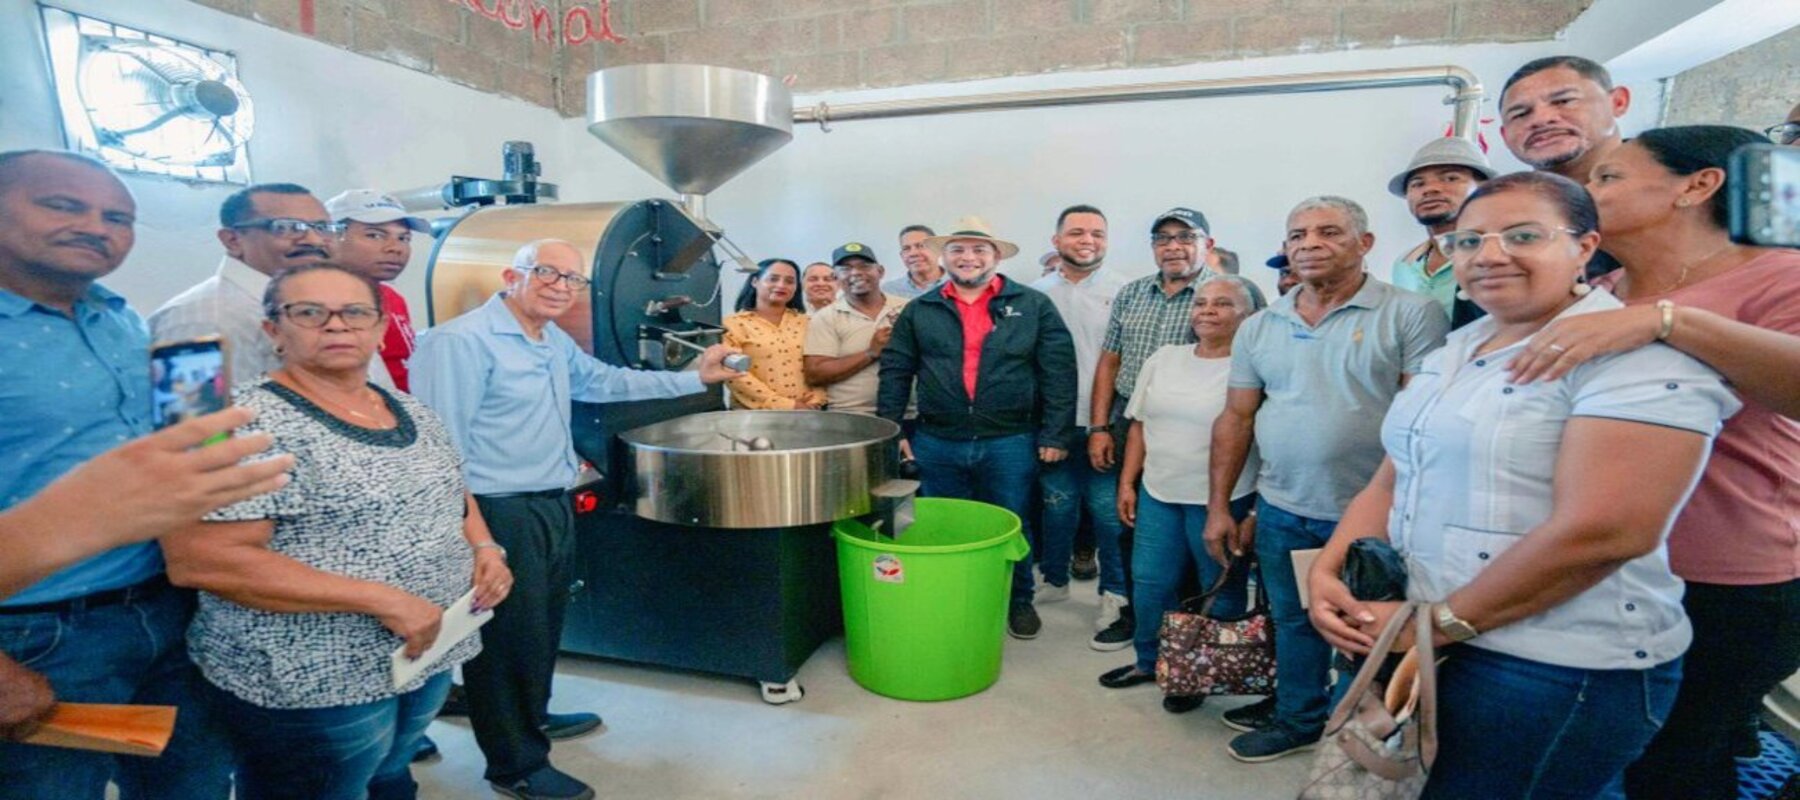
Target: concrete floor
x,y
1047,730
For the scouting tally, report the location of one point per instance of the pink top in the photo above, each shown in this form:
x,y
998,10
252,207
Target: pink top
x,y
1742,526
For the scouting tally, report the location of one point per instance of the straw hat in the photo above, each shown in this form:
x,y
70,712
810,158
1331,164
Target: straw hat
x,y
974,228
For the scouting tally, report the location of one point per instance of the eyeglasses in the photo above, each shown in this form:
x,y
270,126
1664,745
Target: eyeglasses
x,y
1785,133
1186,237
292,228
1523,240
549,276
356,316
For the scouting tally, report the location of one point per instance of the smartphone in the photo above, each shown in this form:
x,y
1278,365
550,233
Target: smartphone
x,y
1764,185
189,379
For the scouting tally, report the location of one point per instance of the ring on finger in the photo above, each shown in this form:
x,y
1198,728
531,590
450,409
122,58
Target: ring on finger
x,y
1558,348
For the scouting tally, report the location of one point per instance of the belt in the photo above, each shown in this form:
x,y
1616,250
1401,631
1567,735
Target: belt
x,y
130,594
546,494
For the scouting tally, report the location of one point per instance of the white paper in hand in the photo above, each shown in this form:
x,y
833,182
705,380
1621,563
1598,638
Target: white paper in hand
x,y
459,624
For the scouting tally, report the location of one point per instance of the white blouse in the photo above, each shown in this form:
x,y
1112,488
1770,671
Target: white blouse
x,y
1177,397
1474,456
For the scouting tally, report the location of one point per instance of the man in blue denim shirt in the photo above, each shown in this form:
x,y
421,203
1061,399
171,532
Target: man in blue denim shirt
x,y
74,383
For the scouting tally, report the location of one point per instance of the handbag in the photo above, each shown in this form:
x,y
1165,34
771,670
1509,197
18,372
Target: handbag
x,y
1382,747
1374,570
1199,655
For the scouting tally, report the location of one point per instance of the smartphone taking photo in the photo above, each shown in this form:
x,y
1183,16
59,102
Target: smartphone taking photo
x,y
1764,184
188,379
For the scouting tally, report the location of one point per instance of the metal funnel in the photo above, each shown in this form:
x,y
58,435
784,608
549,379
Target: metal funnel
x,y
692,126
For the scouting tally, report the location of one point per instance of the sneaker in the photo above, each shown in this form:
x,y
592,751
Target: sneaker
x,y
547,783
1182,703
1253,717
1050,593
426,750
1111,606
561,727
1086,566
1117,636
456,703
1269,744
1022,622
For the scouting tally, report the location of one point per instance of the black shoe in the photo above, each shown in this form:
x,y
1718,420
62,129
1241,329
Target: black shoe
x,y
1182,703
561,727
1125,677
427,750
548,783
1085,567
1022,622
1253,717
1746,744
1117,636
456,703
1269,744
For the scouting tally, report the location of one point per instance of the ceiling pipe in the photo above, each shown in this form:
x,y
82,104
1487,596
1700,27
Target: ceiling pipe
x,y
1466,95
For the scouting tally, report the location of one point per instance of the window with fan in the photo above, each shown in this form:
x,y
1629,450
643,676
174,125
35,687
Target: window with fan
x,y
147,103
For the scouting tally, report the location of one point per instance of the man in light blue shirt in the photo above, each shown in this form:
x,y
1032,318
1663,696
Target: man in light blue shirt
x,y
502,378
1311,379
75,382
923,273
1434,185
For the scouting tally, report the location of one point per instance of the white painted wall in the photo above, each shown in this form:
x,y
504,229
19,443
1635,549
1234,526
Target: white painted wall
x,y
331,120
1242,161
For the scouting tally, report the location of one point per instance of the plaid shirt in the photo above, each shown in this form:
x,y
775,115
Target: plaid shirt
x,y
1144,319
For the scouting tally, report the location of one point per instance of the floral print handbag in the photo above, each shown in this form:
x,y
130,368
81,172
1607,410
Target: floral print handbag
x,y
1199,655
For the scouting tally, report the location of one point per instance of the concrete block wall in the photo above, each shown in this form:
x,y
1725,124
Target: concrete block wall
x,y
1752,88
542,50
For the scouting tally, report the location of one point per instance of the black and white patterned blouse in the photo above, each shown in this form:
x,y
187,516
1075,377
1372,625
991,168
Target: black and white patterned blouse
x,y
378,505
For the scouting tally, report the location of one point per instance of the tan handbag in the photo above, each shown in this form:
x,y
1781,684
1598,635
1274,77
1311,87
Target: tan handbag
x,y
1380,745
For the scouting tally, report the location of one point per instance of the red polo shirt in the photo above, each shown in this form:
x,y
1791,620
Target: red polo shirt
x,y
397,346
977,323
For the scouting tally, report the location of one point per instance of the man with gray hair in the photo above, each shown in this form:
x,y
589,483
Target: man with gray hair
x,y
1317,370
502,377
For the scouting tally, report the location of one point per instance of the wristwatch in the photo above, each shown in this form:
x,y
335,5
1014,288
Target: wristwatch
x,y
1452,625
1093,429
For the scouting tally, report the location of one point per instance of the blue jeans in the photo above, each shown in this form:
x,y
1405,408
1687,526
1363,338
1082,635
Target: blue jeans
x,y
333,753
998,471
130,652
1303,659
1167,543
1512,728
1070,487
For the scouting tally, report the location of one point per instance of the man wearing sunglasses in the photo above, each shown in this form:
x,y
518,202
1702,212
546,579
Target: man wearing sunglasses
x,y
502,378
265,229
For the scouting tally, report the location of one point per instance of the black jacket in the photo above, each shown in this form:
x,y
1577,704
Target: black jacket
x,y
1026,382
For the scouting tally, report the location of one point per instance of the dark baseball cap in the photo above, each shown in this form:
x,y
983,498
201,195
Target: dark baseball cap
x,y
1186,216
853,250
1278,261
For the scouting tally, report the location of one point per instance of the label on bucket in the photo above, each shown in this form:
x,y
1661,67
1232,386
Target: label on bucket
x,y
888,569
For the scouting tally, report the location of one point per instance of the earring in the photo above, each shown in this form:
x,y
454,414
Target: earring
x,y
1580,289
1463,295
280,351
1682,203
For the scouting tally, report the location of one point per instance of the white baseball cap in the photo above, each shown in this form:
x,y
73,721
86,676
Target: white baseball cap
x,y
374,208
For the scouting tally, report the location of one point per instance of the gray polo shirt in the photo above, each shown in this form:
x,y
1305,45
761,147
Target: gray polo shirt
x,y
1326,388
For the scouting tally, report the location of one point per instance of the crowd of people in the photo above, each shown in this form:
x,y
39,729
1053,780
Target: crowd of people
x,y
1572,413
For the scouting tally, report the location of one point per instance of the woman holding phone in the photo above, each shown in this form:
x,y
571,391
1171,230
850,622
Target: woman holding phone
x,y
307,590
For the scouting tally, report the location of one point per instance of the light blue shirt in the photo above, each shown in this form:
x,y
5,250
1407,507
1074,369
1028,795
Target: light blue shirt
x,y
902,286
72,388
505,397
1325,389
1409,274
1474,459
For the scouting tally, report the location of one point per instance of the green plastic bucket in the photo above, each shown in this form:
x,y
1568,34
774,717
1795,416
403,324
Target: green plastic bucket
x,y
925,616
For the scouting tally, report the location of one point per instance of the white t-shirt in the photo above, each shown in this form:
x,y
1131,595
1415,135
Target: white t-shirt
x,y
1178,396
